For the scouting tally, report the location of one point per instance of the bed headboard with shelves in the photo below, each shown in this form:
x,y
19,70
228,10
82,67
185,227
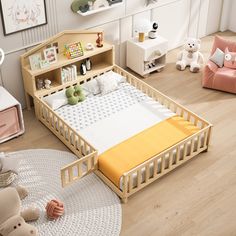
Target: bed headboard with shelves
x,y
102,59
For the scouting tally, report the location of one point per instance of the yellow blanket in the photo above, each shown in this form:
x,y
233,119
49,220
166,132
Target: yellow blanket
x,y
141,147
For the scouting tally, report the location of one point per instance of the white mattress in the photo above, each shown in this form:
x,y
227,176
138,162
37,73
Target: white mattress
x,y
110,119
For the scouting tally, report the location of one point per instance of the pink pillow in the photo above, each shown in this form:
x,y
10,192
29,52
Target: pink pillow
x,y
230,59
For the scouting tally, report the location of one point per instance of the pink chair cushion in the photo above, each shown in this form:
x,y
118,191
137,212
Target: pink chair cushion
x,y
220,78
222,44
225,79
230,58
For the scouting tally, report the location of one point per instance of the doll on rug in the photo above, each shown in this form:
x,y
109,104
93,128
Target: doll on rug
x,y
12,220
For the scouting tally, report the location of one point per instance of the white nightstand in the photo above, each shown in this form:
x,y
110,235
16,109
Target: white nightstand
x,y
148,56
11,118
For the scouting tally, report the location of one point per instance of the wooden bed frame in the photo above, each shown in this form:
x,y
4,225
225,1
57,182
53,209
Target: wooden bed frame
x,y
88,155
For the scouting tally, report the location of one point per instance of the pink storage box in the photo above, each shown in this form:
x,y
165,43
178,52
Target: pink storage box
x,y
9,122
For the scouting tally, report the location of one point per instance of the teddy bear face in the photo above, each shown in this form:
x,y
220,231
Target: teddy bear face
x,y
16,226
192,45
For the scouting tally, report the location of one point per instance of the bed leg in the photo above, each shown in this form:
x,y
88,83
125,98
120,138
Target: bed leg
x,y
124,200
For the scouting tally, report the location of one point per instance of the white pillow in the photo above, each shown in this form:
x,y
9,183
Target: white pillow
x,y
107,83
218,57
91,87
56,100
119,78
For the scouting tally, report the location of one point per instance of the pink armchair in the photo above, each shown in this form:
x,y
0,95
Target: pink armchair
x,y
220,78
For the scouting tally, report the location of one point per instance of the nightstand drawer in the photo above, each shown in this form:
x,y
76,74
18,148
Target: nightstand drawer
x,y
155,51
9,122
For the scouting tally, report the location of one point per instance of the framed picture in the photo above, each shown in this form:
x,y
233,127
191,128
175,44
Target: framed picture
x,y
50,55
44,64
35,61
18,15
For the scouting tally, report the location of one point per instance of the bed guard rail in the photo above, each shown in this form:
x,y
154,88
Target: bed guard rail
x,y
86,153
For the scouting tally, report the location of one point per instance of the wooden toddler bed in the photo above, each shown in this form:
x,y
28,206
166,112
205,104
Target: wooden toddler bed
x,y
135,162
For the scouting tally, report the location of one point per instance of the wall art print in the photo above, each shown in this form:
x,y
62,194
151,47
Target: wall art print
x,y
18,15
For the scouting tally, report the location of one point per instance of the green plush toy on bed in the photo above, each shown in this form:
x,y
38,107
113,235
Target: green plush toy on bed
x,y
74,95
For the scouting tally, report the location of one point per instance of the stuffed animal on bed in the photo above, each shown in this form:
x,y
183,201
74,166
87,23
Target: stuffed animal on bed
x,y
190,56
12,221
74,95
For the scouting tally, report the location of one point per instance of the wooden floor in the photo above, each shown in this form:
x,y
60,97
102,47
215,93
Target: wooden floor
x,y
198,198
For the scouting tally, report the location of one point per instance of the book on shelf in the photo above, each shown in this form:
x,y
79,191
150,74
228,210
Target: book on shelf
x,y
68,74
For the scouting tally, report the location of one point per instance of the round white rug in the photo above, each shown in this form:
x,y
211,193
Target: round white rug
x,y
91,208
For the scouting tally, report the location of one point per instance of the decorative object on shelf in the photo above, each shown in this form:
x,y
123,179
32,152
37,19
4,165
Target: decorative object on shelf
x,y
83,69
2,56
88,64
39,84
54,209
153,33
47,83
113,1
99,40
90,4
44,64
53,45
35,61
100,3
149,2
73,50
190,56
50,54
68,74
18,15
75,94
141,27
89,47
84,8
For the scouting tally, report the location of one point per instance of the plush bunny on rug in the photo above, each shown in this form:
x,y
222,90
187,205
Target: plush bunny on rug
x,y
12,221
190,56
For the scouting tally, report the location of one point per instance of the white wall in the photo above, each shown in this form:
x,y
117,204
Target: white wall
x,y
232,20
177,20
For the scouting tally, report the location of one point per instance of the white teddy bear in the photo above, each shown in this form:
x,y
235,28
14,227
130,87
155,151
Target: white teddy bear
x,y
190,56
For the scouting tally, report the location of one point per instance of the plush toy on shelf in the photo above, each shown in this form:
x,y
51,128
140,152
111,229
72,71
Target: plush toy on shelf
x,y
83,69
190,56
12,221
75,94
47,83
88,64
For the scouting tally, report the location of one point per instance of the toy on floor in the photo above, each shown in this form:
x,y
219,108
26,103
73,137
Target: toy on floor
x,y
190,56
74,95
99,40
54,209
8,170
12,221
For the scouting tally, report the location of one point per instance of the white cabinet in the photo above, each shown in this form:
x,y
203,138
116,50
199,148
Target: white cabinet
x,y
11,118
148,56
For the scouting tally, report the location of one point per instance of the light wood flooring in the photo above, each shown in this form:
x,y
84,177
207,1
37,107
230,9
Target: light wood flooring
x,y
198,198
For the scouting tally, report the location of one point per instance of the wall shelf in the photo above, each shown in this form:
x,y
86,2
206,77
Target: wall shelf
x,y
100,9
